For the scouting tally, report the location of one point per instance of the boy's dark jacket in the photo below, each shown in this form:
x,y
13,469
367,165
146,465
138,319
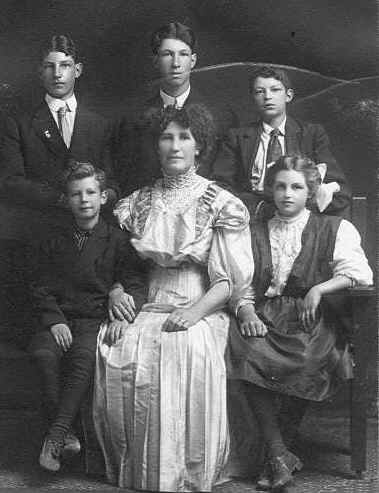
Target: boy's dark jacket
x,y
72,284
233,165
33,154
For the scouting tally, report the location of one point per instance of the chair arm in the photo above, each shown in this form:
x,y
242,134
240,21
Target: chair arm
x,y
362,291
355,292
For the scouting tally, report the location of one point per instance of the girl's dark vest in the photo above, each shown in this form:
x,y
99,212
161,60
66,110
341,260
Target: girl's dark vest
x,y
311,267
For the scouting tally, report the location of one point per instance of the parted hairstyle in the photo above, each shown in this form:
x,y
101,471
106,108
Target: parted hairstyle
x,y
77,170
195,117
62,43
269,71
173,30
303,165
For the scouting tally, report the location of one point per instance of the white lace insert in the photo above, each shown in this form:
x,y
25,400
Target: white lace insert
x,y
285,240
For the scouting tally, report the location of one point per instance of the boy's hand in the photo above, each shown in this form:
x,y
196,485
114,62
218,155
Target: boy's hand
x,y
62,335
311,302
115,331
250,324
121,305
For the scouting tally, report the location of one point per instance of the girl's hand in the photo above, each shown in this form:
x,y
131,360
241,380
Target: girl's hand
x,y
311,303
115,331
181,319
250,324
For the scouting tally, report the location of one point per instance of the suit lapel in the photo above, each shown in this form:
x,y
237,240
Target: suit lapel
x,y
80,128
292,137
46,129
249,146
154,102
194,96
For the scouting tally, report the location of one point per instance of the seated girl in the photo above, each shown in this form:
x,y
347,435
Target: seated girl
x,y
285,344
160,393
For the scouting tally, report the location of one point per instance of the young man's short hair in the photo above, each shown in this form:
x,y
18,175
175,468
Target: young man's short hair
x,y
269,71
62,43
173,30
80,170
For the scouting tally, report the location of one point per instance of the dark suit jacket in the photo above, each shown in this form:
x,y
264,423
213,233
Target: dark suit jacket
x,y
73,284
137,161
33,154
233,165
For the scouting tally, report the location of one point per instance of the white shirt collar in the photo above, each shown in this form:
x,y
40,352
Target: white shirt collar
x,y
268,128
54,103
170,100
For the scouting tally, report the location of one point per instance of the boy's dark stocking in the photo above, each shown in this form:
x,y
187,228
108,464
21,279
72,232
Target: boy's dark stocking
x,y
48,363
81,363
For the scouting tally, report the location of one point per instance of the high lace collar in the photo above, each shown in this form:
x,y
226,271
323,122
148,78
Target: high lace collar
x,y
300,218
179,181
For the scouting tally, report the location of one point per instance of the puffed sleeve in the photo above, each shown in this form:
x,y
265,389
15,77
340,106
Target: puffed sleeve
x,y
125,211
349,258
230,255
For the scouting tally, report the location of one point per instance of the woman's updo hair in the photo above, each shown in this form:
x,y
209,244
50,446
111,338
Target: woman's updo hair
x,y
303,165
195,117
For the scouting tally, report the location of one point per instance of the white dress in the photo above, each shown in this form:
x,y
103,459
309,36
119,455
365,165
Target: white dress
x,y
160,398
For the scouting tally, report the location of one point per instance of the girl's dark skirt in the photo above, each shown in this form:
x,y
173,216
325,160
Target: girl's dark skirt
x,y
289,360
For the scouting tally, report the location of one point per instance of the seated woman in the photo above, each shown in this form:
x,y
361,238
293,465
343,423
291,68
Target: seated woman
x,y
285,344
160,390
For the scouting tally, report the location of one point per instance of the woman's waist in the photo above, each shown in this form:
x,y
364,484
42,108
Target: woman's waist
x,y
179,286
185,272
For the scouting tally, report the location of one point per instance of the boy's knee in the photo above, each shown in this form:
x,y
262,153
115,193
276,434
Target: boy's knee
x,y
43,346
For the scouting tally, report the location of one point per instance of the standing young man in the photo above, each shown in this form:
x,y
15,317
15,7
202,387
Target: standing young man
x,y
248,151
174,49
37,146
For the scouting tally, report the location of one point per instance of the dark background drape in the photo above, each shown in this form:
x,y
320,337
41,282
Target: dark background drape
x,y
334,37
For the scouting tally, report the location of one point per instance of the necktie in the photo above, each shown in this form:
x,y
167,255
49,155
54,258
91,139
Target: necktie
x,y
274,149
63,125
81,238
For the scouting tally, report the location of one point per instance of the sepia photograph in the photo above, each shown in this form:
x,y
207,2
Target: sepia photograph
x,y
189,231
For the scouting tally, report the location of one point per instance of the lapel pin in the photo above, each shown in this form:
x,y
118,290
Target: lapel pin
x,y
47,134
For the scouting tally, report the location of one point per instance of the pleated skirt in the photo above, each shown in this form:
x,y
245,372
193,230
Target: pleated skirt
x,y
160,409
289,360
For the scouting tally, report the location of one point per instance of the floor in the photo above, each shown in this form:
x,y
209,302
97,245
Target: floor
x,y
323,446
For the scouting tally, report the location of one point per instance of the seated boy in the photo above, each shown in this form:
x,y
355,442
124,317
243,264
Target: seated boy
x,y
83,271
248,151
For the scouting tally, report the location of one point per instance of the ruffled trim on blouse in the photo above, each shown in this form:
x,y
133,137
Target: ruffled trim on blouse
x,y
285,240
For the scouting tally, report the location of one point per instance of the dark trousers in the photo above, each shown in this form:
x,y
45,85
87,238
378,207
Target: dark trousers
x,y
66,376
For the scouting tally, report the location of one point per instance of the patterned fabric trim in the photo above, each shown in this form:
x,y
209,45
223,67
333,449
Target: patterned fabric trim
x,y
141,210
203,212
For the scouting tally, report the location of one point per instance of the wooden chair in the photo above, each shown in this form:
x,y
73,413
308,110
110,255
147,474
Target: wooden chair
x,y
361,336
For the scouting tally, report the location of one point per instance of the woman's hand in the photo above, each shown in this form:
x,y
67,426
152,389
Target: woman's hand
x,y
62,335
180,319
115,331
250,324
121,305
311,302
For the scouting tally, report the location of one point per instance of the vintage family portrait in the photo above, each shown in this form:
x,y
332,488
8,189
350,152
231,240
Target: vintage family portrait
x,y
189,211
